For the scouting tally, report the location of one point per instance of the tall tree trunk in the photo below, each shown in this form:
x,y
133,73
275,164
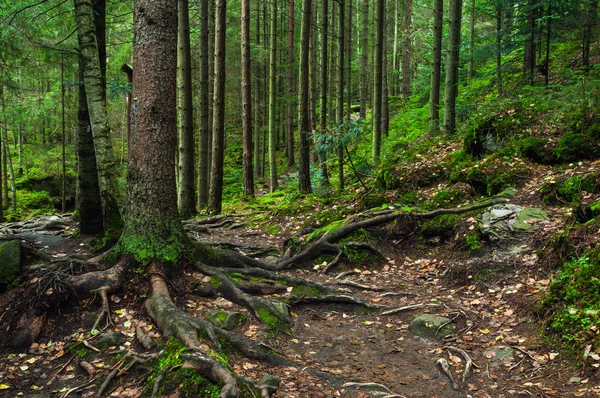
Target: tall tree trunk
x,y
590,20
499,48
454,14
364,59
378,91
96,100
472,42
3,127
88,197
246,102
258,171
349,62
385,109
63,128
548,37
339,119
9,167
211,83
303,100
291,103
395,59
312,76
530,41
324,90
407,55
216,182
436,67
203,147
186,190
153,230
272,106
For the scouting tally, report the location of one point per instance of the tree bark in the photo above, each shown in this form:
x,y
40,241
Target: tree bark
x,y
291,103
96,100
88,203
203,147
324,90
186,189
3,127
590,20
216,182
153,230
407,55
303,100
378,91
436,67
499,48
472,41
246,102
454,13
272,106
364,59
339,118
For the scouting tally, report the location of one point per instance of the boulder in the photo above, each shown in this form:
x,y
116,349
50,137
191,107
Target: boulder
x,y
224,319
430,326
10,262
505,222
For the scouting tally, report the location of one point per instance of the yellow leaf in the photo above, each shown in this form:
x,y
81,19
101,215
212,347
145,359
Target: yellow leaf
x,y
484,331
4,386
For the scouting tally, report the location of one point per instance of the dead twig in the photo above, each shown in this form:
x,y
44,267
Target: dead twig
x,y
337,260
444,368
407,308
468,363
348,282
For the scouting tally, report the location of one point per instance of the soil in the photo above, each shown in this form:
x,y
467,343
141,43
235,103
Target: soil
x,y
491,310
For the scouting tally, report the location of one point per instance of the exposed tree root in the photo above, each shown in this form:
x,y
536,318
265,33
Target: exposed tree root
x,y
122,366
105,311
328,243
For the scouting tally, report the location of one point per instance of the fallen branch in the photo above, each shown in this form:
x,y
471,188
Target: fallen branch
x,y
376,390
408,308
444,368
468,363
348,282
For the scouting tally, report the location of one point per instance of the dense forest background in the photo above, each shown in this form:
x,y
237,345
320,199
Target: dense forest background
x,y
218,152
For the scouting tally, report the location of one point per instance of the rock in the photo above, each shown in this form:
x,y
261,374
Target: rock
x,y
224,319
427,325
10,262
270,380
505,222
110,340
502,353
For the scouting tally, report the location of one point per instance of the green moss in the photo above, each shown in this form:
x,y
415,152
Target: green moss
x,y
272,229
574,147
572,304
307,291
334,226
267,317
536,149
570,190
473,241
164,244
443,226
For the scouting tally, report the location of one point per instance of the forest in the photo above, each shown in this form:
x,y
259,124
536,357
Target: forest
x,y
316,198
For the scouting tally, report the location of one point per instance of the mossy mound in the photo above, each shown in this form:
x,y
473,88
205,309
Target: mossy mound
x,y
574,147
537,149
570,189
442,226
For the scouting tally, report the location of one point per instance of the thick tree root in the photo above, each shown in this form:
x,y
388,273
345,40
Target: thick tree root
x,y
328,243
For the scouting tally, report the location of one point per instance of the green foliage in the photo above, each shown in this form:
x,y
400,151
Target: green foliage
x,y
570,190
574,147
473,242
443,226
573,302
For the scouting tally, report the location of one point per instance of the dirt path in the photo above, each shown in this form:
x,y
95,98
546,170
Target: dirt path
x,y
492,317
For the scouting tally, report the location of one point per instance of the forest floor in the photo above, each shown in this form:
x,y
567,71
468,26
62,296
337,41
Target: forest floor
x,y
493,317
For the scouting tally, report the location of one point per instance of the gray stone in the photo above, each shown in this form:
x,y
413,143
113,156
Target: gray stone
x,y
500,353
10,261
111,339
505,222
428,326
270,380
224,319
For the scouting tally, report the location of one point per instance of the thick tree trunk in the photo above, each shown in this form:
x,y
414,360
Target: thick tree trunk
x,y
364,59
186,190
272,106
291,103
96,100
324,90
590,20
385,103
246,102
378,91
436,67
407,55
454,13
3,127
258,171
153,230
339,114
304,127
88,203
215,198
203,147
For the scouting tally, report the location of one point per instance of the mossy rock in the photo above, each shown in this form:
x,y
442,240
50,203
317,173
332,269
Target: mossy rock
x,y
443,226
538,150
371,201
225,319
111,339
526,219
10,262
430,326
450,197
570,189
574,147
